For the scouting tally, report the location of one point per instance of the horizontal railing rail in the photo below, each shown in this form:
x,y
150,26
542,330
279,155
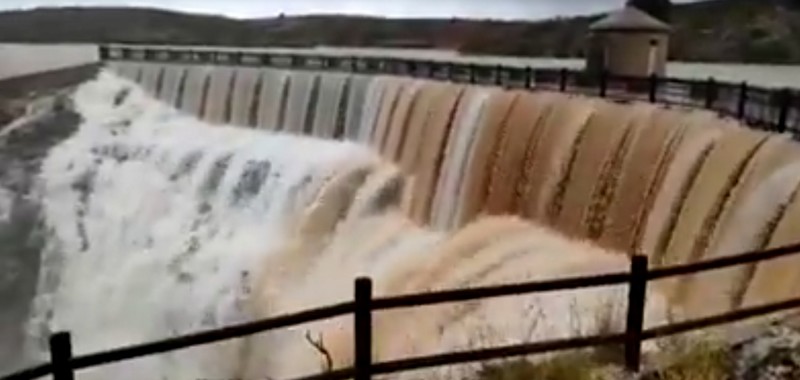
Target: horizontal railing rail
x,y
191,340
723,262
775,110
517,350
465,357
469,294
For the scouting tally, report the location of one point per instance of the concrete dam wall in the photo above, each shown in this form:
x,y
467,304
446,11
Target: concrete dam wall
x,y
678,185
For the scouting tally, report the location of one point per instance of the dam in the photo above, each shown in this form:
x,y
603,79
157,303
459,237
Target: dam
x,y
195,196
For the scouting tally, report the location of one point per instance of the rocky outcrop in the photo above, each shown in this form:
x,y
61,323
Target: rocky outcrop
x,y
774,355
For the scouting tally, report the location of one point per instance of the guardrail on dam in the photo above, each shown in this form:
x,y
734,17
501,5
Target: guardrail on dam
x,y
760,107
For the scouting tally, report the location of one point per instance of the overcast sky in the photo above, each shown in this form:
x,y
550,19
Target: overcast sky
x,y
504,9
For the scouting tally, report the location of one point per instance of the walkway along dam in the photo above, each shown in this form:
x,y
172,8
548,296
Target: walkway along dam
x,y
202,192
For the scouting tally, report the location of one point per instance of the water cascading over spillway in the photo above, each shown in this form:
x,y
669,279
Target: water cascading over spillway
x,y
678,185
158,224
169,224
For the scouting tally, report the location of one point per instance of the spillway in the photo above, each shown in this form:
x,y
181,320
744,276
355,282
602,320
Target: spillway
x,y
199,196
668,182
159,224
127,198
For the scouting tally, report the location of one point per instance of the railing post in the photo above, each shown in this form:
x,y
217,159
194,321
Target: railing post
x,y
498,75
653,94
103,52
451,71
265,60
60,354
711,93
472,75
238,58
637,290
603,83
783,113
740,109
363,328
388,67
528,76
562,80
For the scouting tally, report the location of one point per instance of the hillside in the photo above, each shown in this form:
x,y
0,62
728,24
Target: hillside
x,y
715,30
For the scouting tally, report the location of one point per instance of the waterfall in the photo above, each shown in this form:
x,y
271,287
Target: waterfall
x,y
159,223
194,197
663,181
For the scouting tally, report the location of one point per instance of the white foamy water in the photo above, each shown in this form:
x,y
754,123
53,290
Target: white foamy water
x,y
162,225
6,202
159,223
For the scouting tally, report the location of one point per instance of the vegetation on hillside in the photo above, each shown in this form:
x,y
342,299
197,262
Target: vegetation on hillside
x,y
711,30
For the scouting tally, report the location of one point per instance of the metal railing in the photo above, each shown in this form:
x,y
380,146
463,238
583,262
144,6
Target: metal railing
x,y
775,110
63,365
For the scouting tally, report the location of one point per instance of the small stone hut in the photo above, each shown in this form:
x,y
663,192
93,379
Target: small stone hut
x,y
628,42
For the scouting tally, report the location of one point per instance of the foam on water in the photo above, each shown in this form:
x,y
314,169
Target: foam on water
x,y
6,202
162,225
146,202
646,178
159,223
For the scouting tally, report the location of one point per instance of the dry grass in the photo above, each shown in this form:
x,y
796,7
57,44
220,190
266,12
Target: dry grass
x,y
706,360
571,366
700,359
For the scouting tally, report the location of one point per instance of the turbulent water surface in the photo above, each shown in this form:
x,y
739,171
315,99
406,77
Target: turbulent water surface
x,y
679,185
137,212
166,217
145,223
